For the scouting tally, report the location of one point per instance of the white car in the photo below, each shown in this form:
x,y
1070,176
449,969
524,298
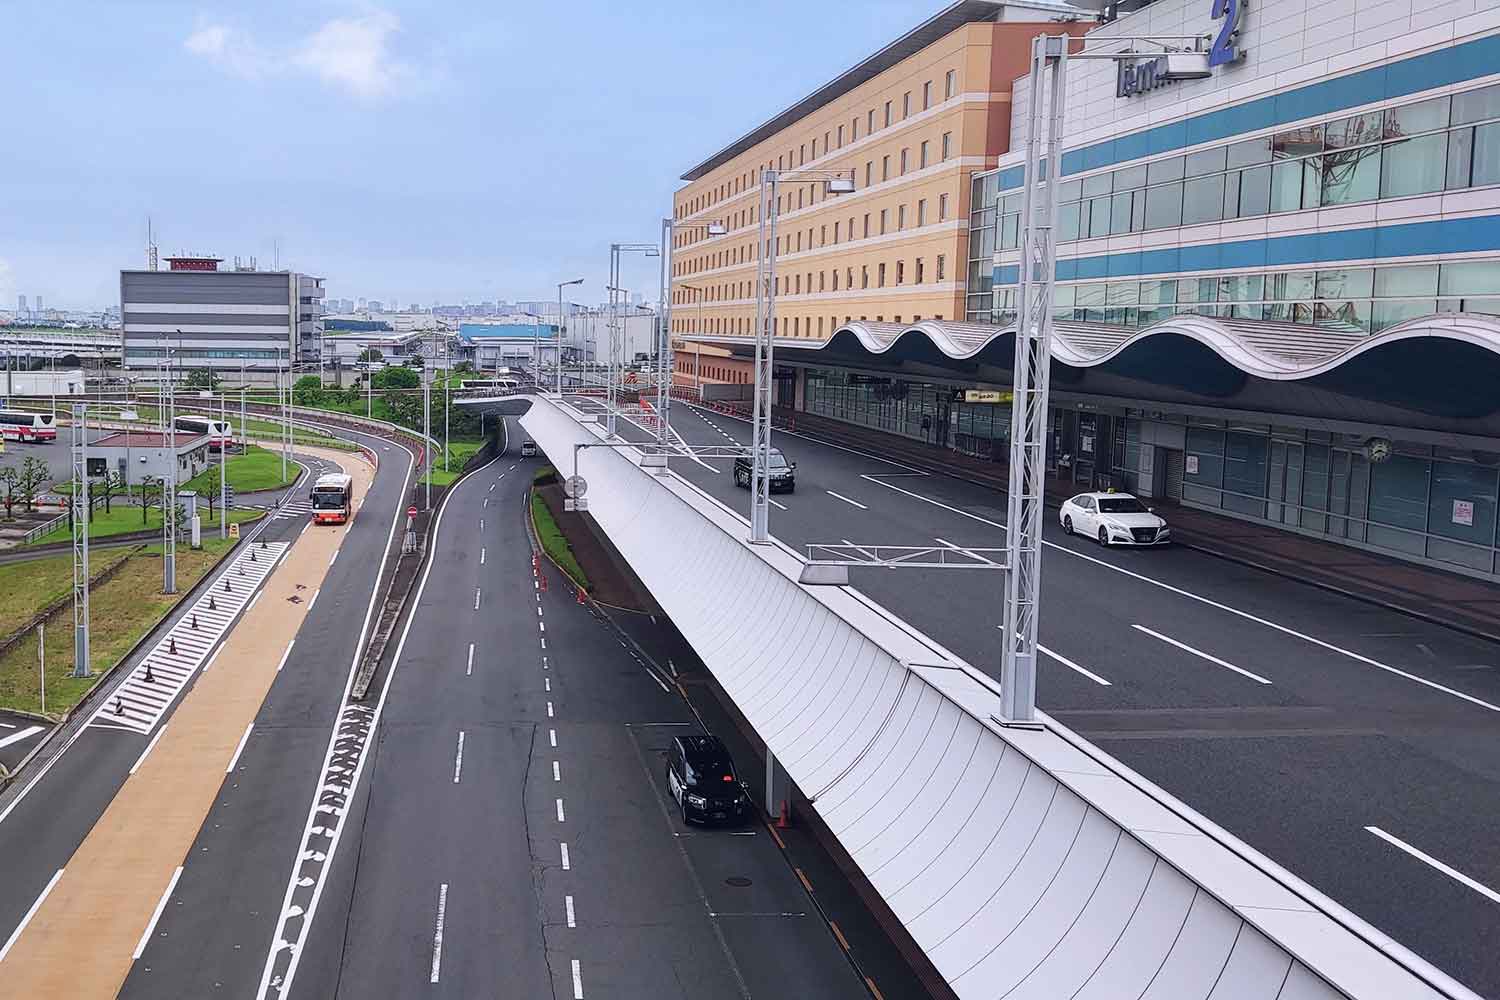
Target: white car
x,y
1114,519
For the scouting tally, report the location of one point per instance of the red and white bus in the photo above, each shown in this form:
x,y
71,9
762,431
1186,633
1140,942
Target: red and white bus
x,y
332,495
24,426
220,432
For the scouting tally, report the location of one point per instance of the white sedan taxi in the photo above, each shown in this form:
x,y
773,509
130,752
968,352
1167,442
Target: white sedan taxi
x,y
1114,519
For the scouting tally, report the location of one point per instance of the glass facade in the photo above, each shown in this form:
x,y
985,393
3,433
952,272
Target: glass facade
x,y
922,411
1432,503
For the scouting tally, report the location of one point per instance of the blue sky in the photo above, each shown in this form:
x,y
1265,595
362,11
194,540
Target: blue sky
x,y
436,151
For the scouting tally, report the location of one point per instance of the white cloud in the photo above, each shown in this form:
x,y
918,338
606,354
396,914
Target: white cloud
x,y
352,54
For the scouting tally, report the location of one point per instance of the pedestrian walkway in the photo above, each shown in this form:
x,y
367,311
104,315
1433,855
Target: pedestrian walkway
x,y
296,508
1426,592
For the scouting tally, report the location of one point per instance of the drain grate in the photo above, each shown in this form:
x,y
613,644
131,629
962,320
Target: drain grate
x,y
738,881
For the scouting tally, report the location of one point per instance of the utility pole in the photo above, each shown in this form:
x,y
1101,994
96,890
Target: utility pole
x,y
427,432
169,487
41,657
223,477
80,543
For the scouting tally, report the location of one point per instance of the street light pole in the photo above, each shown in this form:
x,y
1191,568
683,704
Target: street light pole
x,y
80,541
560,286
169,485
427,429
223,475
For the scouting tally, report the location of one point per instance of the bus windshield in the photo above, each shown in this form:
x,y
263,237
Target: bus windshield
x,y
329,499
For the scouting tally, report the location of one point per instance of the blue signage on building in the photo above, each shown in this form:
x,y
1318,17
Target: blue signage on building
x,y
1224,51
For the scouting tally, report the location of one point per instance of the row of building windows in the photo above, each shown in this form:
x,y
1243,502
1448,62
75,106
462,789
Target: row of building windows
x,y
786,326
833,138
1355,299
191,352
793,284
1441,144
877,223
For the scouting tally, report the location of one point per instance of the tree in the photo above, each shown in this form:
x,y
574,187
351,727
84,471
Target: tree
x,y
10,483
201,378
210,492
34,475
108,485
307,391
397,378
149,484
370,354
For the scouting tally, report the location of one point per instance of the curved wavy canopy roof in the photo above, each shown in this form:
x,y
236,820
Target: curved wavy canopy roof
x,y
1446,364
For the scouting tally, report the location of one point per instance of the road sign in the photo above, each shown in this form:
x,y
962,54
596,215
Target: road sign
x,y
411,511
575,486
580,504
234,531
569,504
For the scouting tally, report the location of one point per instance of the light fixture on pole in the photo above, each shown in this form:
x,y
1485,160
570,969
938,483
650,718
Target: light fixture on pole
x,y
664,366
559,358
615,252
834,182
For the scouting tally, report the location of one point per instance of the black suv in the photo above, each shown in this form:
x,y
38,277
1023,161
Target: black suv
x,y
700,776
783,473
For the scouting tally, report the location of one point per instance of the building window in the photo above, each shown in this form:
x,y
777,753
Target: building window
x,y
900,272
841,137
905,155
942,208
821,281
887,114
870,122
835,279
947,145
835,232
867,225
864,276
882,221
869,172
906,105
922,212
848,279
926,95
880,281
950,83
941,266
922,157
919,270
900,217
885,168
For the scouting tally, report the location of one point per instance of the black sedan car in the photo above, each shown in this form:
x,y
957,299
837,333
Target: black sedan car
x,y
783,473
701,778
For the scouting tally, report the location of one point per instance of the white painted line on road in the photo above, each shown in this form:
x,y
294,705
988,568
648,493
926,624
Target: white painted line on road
x,y
437,934
492,487
544,642
481,524
486,501
541,626
659,682
239,749
552,737
556,772
839,496
935,503
253,600
547,683
549,709
780,506
7,725
314,598
149,747
285,655
481,556
539,610
560,811
1198,652
161,904
568,905
458,761
1427,859
469,670
24,734
566,863
15,935
333,557
476,598
577,981
1073,666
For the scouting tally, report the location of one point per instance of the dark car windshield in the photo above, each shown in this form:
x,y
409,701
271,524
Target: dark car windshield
x,y
1121,505
712,774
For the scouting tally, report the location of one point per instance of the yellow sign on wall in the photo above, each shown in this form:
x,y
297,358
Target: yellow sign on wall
x,y
234,531
988,396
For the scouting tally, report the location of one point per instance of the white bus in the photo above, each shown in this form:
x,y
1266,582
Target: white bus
x,y
24,426
332,494
494,384
220,432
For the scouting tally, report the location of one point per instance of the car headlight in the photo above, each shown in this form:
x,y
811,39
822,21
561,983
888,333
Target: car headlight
x,y
697,801
1164,532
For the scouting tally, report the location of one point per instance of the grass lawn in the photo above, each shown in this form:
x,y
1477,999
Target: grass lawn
x,y
120,611
257,469
553,541
27,587
459,453
124,519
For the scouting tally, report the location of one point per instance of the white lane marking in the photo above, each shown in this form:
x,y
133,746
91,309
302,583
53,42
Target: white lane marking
x,y
481,524
258,593
437,933
469,670
15,935
556,772
541,626
486,501
568,905
547,681
161,904
560,811
24,734
544,642
311,602
1073,666
149,747
1200,653
333,557
577,981
239,749
1247,616
659,682
476,598
481,556
552,736
492,487
1428,859
780,506
566,862
7,725
458,761
285,655
839,496
549,709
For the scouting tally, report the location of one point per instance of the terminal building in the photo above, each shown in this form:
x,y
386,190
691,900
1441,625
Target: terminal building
x,y
221,319
1277,286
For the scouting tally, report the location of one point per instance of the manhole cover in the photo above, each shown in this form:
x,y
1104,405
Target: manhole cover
x,y
738,881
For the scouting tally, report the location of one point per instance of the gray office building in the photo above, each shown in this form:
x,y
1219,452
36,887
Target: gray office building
x,y
220,319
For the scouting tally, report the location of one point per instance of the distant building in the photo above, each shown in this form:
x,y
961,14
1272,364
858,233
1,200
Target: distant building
x,y
376,306
219,319
20,307
138,454
39,305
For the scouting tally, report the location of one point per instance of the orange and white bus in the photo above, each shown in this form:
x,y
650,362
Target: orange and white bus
x,y
332,496
24,426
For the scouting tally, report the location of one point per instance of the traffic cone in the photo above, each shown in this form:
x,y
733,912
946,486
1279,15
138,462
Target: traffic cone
x,y
543,579
226,588
252,555
119,706
195,621
171,646
150,677
211,605
784,820
583,597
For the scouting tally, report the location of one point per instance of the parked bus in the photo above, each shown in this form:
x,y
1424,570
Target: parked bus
x,y
220,432
23,426
332,495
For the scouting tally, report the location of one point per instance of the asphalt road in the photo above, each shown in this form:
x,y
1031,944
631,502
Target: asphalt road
x,y
18,734
45,815
1300,720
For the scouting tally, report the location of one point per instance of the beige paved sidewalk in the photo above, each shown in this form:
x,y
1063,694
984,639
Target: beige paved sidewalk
x,y
80,942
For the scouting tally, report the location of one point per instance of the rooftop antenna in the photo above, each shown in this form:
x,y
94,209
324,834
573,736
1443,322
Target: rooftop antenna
x,y
275,255
150,247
